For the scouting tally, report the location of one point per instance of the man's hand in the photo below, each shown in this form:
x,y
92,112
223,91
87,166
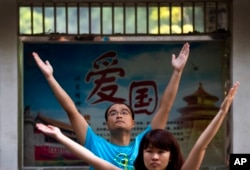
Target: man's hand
x,y
45,67
180,62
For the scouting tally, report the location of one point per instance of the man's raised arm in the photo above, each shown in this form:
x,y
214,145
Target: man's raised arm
x,y
161,117
78,122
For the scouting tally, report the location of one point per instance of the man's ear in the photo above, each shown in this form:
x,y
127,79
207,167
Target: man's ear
x,y
133,123
107,125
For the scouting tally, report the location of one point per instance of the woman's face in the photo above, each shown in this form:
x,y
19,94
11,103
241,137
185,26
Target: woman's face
x,y
155,158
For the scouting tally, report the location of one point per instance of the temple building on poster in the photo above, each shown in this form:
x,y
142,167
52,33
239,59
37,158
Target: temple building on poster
x,y
195,117
42,150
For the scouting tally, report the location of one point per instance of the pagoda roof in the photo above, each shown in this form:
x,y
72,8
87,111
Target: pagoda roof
x,y
191,108
200,92
53,122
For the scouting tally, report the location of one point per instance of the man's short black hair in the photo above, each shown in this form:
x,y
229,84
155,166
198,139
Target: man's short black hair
x,y
130,109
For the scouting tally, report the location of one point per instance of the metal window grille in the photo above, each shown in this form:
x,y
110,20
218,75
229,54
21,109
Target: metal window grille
x,y
123,18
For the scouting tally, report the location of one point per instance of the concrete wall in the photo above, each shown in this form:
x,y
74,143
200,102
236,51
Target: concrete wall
x,y
8,86
9,115
241,72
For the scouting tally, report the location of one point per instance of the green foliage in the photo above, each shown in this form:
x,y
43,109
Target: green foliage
x,y
156,15
25,21
176,19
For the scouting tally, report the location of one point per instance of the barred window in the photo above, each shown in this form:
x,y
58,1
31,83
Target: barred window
x,y
123,18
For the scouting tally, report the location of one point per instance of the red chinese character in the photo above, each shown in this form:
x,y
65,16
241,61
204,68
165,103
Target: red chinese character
x,y
144,93
105,75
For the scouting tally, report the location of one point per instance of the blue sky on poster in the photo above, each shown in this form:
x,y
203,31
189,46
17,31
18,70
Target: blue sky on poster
x,y
141,61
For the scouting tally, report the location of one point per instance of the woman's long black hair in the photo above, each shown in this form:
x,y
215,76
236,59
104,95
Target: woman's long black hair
x,y
161,139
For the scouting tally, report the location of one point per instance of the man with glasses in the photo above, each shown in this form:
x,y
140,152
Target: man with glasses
x,y
119,117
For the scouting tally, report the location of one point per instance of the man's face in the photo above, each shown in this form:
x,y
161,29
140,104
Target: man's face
x,y
120,117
